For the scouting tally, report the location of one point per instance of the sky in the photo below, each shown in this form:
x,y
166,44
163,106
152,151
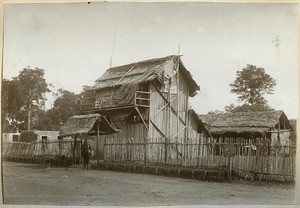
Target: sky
x,y
73,43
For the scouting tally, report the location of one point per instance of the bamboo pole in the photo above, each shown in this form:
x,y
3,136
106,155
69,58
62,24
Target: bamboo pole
x,y
186,129
177,99
97,143
199,149
168,122
141,116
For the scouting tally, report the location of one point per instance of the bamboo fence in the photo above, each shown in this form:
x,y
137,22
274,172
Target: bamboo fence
x,y
251,161
40,149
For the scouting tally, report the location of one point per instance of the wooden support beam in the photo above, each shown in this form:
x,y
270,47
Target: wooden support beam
x,y
168,122
168,103
160,132
97,142
112,120
180,119
166,100
186,130
137,109
164,106
123,76
177,102
179,132
164,137
162,95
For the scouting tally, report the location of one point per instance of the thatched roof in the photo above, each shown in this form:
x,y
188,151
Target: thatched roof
x,y
201,126
86,124
245,122
144,71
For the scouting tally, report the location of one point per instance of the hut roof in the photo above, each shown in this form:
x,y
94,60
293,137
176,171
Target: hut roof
x,y
143,71
86,124
244,122
201,125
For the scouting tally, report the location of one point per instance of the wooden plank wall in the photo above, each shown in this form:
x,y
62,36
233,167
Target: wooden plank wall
x,y
165,122
126,145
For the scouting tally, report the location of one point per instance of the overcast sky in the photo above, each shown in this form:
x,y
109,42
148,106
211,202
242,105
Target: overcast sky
x,y
73,43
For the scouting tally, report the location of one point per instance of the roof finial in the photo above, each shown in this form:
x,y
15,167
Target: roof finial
x,y
179,50
112,50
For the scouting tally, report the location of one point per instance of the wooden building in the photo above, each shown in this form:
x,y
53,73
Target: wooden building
x,y
148,101
258,143
30,136
265,127
10,137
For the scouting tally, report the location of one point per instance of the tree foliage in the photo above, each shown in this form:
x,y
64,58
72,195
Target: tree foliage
x,y
215,112
21,95
246,108
251,84
26,93
66,105
34,86
11,101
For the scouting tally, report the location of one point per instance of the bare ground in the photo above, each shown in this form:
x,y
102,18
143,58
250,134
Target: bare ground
x,y
34,184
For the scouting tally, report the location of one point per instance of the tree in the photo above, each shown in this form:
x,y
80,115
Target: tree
x,y
66,105
86,97
22,98
11,104
34,87
246,108
251,84
215,112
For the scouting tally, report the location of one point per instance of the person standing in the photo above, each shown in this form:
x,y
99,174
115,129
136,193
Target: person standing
x,y
86,152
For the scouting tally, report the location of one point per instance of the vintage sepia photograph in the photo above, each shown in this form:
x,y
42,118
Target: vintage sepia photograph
x,y
149,104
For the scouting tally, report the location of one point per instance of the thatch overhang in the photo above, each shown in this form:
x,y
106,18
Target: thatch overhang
x,y
145,71
86,125
260,122
201,125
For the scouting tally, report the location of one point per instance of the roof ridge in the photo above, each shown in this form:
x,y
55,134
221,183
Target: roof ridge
x,y
146,60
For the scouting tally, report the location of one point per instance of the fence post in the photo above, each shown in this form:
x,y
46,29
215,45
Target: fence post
x,y
74,146
145,150
229,169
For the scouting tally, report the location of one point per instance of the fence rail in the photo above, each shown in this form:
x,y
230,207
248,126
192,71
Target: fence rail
x,y
254,161
39,149
139,98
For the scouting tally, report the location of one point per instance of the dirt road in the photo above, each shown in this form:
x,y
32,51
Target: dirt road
x,y
34,184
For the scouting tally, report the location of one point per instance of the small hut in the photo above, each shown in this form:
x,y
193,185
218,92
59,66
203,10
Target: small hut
x,y
258,143
266,127
83,126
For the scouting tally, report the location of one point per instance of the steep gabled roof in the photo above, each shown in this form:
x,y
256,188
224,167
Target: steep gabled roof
x,y
86,125
144,71
244,122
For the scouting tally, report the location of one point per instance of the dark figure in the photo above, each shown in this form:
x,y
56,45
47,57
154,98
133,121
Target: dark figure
x,y
86,152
